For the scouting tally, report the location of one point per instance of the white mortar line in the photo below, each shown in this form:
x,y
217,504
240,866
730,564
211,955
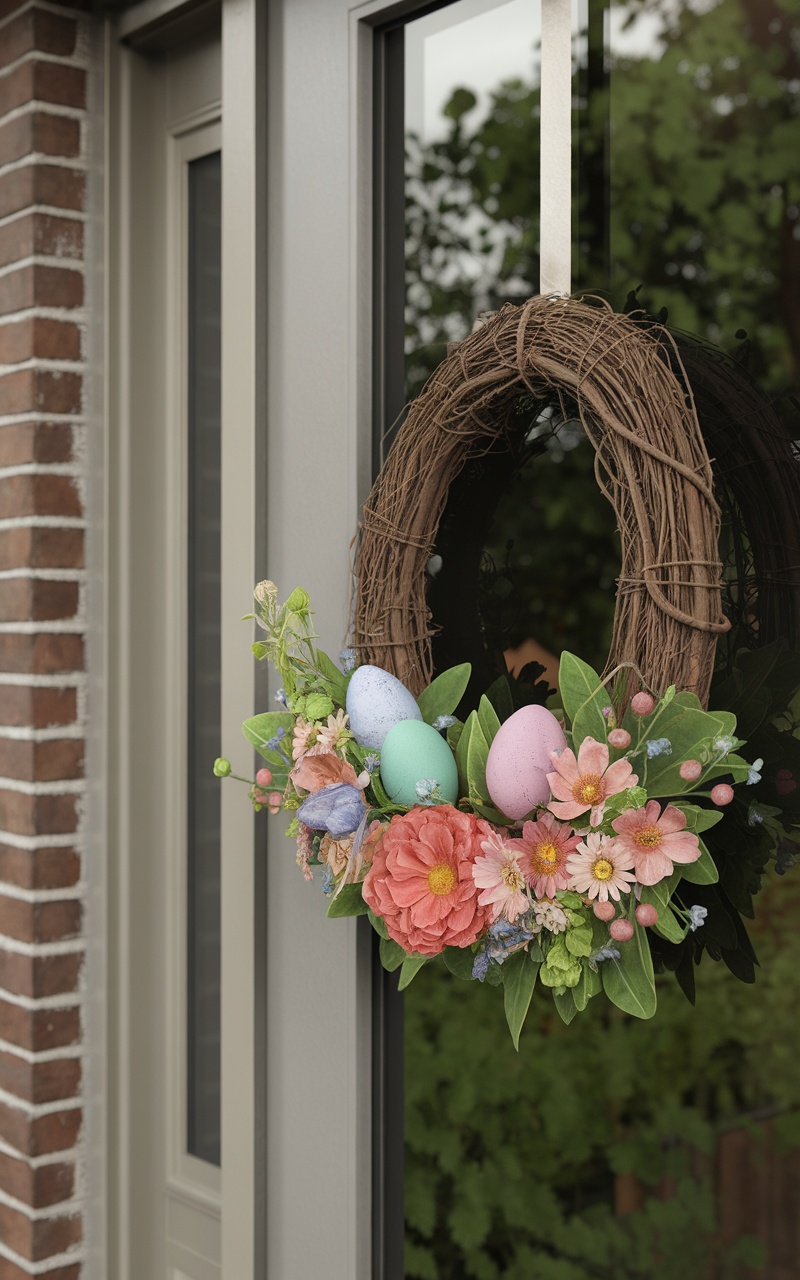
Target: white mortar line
x,y
18,419
73,893
24,733
39,104
62,1208
64,680
71,787
42,1268
35,949
69,626
32,843
52,210
33,1056
34,4
45,575
42,522
70,1000
40,364
40,157
36,1109
35,55
43,260
40,1162
72,469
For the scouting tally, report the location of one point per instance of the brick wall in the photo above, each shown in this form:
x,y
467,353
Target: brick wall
x,y
43,85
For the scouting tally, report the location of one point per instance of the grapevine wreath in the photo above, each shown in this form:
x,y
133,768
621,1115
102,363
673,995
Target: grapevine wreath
x,y
590,837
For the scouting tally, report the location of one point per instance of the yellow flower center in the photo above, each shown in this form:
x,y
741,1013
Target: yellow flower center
x,y
588,789
602,869
547,853
649,837
513,878
545,859
441,879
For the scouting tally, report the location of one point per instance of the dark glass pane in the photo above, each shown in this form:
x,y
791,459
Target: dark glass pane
x,y
203,660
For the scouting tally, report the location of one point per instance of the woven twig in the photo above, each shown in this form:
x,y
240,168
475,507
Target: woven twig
x,y
651,463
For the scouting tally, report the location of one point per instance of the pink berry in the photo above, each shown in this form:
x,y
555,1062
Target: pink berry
x,y
621,930
690,770
604,910
274,800
722,793
264,777
259,796
646,914
642,703
620,738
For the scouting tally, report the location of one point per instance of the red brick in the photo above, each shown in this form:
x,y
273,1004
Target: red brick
x,y
41,547
27,815
40,391
49,1184
9,1270
39,921
41,286
40,494
45,81
22,442
38,976
37,599
46,234
39,1029
50,868
43,654
41,183
40,31
40,1082
49,761
40,133
37,1239
37,707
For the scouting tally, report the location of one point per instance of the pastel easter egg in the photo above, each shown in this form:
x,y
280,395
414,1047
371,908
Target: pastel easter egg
x,y
414,752
519,760
376,701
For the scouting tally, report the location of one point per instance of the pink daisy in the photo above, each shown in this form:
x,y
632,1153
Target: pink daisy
x,y
303,738
655,840
600,868
546,846
335,735
586,783
498,873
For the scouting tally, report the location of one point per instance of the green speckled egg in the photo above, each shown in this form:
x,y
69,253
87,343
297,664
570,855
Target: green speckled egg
x,y
412,751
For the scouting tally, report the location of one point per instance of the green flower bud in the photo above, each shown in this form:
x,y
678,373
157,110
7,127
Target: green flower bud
x,y
222,767
266,592
298,601
318,706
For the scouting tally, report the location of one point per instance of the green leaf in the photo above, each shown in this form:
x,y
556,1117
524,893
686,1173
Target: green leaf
x,y
348,902
477,755
698,819
501,698
589,984
629,982
392,954
336,681
409,970
703,871
519,979
378,923
658,896
459,961
584,698
259,730
443,694
566,1006
462,750
579,941
488,719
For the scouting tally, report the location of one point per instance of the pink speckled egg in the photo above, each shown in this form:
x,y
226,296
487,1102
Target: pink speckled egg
x,y
519,760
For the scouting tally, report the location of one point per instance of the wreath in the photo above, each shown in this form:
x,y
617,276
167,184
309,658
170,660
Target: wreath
x,y
589,837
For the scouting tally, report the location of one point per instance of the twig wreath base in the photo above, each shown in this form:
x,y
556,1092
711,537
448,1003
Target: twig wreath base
x,y
650,461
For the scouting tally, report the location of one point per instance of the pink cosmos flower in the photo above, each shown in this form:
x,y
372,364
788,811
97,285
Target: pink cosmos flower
x,y
655,840
335,735
600,868
421,882
546,846
303,738
499,874
586,783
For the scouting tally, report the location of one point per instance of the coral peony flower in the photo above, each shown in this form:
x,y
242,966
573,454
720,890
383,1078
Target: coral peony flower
x,y
497,872
546,846
321,769
600,868
586,783
421,882
655,840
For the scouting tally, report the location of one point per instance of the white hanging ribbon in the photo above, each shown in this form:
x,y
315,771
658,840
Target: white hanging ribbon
x,y
555,148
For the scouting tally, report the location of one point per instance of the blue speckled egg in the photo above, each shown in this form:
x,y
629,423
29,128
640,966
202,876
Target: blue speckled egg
x,y
519,760
376,701
414,751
